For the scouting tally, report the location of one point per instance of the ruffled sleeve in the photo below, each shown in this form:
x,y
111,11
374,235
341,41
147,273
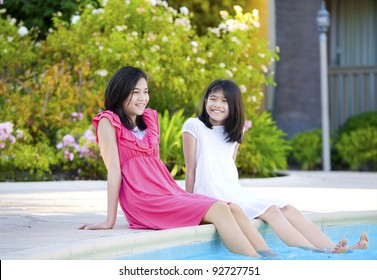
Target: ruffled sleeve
x,y
151,120
112,117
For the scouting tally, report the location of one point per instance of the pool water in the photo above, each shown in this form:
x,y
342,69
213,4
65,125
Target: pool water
x,y
215,250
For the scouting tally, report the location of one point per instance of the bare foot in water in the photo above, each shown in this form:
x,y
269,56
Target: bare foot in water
x,y
362,244
341,247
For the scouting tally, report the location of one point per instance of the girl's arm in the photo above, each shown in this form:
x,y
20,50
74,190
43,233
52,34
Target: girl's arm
x,y
235,152
109,151
189,152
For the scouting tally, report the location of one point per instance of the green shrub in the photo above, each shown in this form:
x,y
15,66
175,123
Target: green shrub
x,y
264,150
17,48
20,158
171,152
359,148
307,149
358,121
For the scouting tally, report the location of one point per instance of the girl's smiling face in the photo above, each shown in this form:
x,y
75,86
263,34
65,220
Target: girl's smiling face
x,y
217,107
135,104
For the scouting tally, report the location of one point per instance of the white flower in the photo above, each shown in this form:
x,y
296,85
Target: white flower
x,y
185,22
215,31
9,39
264,68
134,33
102,72
222,26
75,19
230,25
165,39
184,11
153,2
13,21
97,11
229,73
140,10
210,54
243,88
155,48
237,8
22,31
224,15
200,60
120,27
222,65
194,44
262,55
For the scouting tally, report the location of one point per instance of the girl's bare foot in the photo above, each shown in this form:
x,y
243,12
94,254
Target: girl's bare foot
x,y
341,247
362,244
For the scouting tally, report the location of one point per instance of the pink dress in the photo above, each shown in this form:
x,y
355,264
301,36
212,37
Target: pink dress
x,y
149,196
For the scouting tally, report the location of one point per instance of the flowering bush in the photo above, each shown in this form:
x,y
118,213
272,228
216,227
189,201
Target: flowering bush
x,y
20,159
43,82
16,46
78,150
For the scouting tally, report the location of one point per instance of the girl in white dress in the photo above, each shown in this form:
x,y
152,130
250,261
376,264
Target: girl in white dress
x,y
210,144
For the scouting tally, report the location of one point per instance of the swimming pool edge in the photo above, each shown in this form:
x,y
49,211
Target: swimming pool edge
x,y
104,248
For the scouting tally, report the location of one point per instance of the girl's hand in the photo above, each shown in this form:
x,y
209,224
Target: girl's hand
x,y
102,226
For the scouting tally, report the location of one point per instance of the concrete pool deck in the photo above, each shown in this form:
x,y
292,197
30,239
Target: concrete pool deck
x,y
38,220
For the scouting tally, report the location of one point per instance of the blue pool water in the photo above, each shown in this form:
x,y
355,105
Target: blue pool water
x,y
215,250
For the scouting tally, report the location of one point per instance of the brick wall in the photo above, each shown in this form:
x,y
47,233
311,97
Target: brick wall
x,y
297,101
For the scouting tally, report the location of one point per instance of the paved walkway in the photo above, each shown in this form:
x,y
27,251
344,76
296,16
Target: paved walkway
x,y
38,220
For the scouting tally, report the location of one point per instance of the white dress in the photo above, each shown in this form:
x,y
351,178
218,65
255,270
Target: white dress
x,y
216,174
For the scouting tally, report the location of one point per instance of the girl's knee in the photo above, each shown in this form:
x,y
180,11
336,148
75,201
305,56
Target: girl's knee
x,y
271,213
220,206
218,211
273,210
289,209
235,208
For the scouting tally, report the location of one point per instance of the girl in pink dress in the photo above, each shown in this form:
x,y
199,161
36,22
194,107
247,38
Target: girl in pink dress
x,y
210,144
128,137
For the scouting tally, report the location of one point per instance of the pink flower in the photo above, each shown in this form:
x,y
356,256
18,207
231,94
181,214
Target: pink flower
x,y
248,124
68,155
68,140
19,134
76,116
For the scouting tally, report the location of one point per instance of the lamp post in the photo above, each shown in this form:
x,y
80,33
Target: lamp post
x,y
323,23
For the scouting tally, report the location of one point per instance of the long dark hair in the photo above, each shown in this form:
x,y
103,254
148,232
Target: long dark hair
x,y
234,124
120,87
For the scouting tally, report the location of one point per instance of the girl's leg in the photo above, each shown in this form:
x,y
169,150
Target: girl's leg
x,y
307,228
315,236
230,232
284,229
251,233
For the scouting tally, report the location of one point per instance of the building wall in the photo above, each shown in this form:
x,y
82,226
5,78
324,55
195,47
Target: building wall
x,y
297,100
